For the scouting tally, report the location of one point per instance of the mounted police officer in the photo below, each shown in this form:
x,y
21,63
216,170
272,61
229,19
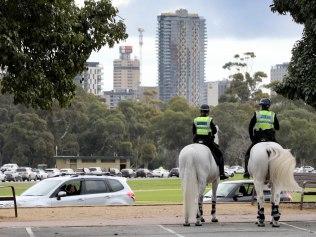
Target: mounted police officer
x,y
203,132
262,128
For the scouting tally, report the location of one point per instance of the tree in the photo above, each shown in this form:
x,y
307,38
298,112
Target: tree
x,y
148,153
301,80
28,141
45,44
243,86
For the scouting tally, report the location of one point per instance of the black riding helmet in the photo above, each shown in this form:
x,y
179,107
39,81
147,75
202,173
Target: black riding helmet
x,y
205,108
265,102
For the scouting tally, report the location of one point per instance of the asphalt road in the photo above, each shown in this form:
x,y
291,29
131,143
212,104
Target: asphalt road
x,y
287,229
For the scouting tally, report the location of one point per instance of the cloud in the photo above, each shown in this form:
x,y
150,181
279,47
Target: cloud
x,y
268,52
120,3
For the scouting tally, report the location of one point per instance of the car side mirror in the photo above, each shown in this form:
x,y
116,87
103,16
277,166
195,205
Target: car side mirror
x,y
236,196
61,194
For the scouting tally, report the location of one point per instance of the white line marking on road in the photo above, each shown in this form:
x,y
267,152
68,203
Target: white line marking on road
x,y
156,190
171,231
29,231
299,228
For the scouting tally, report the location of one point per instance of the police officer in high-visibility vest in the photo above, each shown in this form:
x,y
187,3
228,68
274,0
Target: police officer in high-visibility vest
x,y
203,132
262,127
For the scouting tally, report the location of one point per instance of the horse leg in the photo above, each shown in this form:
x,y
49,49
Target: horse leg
x,y
260,200
200,211
199,215
214,189
275,207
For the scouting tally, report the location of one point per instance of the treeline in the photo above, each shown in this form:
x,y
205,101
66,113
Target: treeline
x,y
149,131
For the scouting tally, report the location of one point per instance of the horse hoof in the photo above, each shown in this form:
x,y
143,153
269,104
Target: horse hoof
x,y
186,224
275,224
214,220
202,219
198,224
261,224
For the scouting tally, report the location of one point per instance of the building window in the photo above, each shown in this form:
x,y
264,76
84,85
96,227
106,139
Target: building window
x,y
88,161
107,161
73,161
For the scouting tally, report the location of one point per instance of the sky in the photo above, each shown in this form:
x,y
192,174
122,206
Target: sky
x,y
233,27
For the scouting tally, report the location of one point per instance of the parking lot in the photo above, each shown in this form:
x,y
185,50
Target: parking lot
x,y
219,229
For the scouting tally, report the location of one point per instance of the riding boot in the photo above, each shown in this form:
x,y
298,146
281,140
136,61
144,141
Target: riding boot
x,y
221,170
246,174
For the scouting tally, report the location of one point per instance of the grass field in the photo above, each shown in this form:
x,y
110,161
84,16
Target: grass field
x,y
148,191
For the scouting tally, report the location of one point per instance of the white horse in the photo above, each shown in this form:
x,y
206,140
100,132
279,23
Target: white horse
x,y
269,162
197,168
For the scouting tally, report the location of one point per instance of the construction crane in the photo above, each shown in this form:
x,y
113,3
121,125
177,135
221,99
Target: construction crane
x,y
140,30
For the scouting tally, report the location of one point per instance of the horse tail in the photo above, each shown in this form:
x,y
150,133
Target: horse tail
x,y
188,175
282,165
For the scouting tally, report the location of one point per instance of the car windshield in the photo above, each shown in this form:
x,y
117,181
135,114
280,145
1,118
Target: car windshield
x,y
42,188
224,189
20,170
92,169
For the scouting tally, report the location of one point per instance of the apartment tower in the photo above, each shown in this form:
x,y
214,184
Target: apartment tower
x,y
181,56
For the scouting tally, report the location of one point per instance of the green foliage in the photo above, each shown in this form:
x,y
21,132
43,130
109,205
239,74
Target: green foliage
x,y
148,153
301,80
243,86
44,44
28,141
152,136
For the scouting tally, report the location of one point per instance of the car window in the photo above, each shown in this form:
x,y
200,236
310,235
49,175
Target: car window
x,y
71,187
224,189
42,188
20,170
245,189
96,186
115,185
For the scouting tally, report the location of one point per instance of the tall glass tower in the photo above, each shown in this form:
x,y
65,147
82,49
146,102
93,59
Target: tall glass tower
x,y
181,56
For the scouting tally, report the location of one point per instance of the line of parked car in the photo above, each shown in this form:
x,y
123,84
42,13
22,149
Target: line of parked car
x,y
305,169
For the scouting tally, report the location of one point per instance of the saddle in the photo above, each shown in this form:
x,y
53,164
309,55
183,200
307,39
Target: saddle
x,y
217,159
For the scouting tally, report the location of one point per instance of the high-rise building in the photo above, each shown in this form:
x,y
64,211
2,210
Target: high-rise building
x,y
181,56
114,97
126,74
215,89
91,79
278,71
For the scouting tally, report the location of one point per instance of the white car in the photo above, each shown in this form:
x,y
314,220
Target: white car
x,y
52,172
229,172
26,173
41,174
2,177
160,172
9,167
76,191
307,169
237,169
95,170
66,171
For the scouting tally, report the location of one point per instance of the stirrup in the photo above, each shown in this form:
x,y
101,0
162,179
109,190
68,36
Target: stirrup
x,y
223,177
246,175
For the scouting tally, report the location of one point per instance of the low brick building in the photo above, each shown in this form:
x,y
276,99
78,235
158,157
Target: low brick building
x,y
105,162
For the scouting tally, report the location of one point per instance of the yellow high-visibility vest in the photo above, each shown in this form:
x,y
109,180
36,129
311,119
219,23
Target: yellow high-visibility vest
x,y
265,120
202,125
